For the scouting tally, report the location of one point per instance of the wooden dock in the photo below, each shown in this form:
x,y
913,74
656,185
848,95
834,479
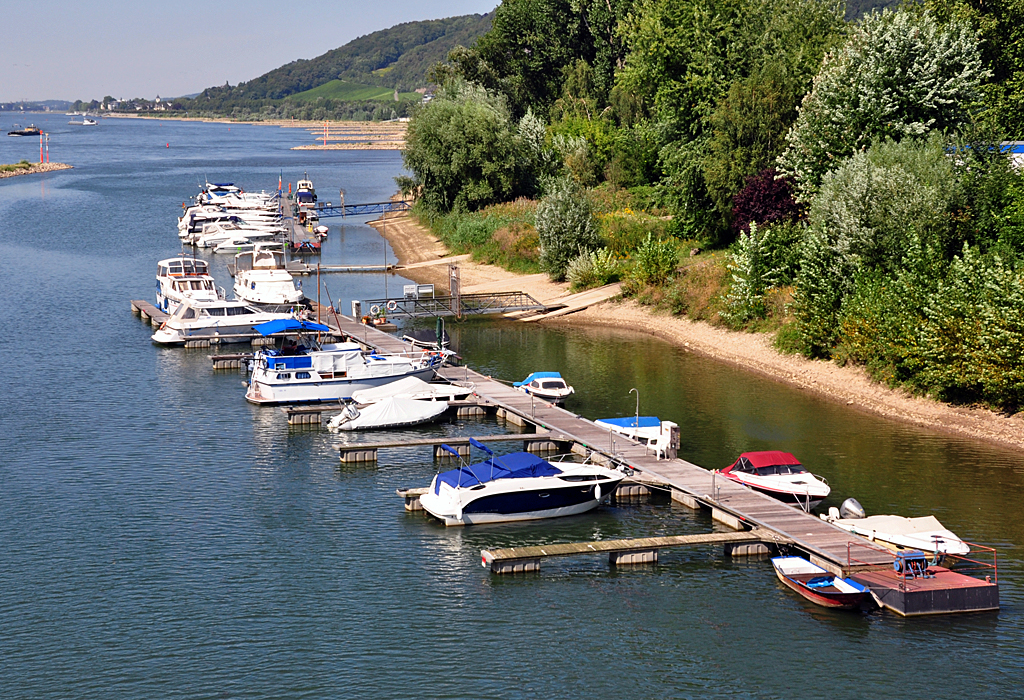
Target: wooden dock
x,y
642,550
148,312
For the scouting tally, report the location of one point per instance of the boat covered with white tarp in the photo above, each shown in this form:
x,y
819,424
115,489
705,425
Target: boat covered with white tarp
x,y
391,412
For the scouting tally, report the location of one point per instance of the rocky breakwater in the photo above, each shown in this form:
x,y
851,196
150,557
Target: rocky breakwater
x,y
31,168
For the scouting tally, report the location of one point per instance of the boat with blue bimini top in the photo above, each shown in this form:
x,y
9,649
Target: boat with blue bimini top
x,y
818,585
518,486
660,436
545,385
308,372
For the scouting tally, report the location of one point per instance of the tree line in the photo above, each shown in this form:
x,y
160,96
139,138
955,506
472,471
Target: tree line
x,y
855,169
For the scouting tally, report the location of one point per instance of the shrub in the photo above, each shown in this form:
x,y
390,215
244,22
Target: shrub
x,y
592,269
765,198
654,261
565,227
752,275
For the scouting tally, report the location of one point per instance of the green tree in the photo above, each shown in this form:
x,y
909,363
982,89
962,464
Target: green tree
x,y
900,74
463,149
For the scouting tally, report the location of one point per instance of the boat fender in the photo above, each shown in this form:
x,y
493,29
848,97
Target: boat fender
x,y
458,513
597,492
392,305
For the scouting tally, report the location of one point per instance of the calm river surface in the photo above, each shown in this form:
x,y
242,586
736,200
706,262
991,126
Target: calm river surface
x,y
161,538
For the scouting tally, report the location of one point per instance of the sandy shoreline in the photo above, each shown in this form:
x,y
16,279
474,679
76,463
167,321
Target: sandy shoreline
x,y
36,168
752,351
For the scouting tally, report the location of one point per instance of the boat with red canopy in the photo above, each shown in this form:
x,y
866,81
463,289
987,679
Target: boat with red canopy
x,y
779,475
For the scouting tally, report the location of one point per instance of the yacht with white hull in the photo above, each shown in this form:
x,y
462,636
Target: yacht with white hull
x,y
313,373
181,278
219,321
518,486
261,278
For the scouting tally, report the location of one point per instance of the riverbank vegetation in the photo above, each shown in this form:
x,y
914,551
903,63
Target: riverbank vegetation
x,y
14,167
777,167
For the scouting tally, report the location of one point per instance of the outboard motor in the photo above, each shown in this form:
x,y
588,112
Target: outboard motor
x,y
851,509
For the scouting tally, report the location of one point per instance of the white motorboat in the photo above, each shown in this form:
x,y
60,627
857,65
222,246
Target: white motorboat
x,y
661,437
545,385
215,233
219,321
518,486
416,389
779,475
261,278
897,532
392,412
184,277
309,372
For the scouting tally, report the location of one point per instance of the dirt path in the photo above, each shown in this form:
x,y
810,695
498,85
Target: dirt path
x,y
849,385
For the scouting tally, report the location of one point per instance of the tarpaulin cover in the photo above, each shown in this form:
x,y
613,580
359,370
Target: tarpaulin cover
x,y
392,412
283,325
519,465
538,375
631,422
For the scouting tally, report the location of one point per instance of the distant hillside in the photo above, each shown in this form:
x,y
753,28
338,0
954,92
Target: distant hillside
x,y
398,57
856,8
348,91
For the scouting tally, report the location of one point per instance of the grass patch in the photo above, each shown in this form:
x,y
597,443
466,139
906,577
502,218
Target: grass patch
x,y
501,234
12,167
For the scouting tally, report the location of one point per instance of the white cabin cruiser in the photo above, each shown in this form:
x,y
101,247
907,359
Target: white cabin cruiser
x,y
661,437
220,321
897,532
779,475
518,486
261,278
311,373
545,385
184,277
215,233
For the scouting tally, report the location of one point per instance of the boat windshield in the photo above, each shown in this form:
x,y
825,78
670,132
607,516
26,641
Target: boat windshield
x,y
780,469
552,385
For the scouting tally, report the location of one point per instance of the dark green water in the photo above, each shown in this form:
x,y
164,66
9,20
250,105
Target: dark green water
x,y
162,538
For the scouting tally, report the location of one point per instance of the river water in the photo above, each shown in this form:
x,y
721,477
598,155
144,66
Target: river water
x,y
162,538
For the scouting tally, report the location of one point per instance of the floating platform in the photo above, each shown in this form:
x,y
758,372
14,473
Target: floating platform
x,y
942,592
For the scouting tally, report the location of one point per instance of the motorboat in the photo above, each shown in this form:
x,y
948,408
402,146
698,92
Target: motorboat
x,y
818,585
261,278
321,232
392,412
219,321
896,532
30,130
215,233
518,486
415,389
308,372
661,437
545,385
779,475
184,277
85,122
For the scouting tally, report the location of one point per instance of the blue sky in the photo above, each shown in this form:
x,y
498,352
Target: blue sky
x,y
84,50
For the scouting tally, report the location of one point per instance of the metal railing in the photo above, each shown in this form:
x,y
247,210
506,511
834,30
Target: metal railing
x,y
463,305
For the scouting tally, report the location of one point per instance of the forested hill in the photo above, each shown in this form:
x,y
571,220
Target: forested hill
x,y
395,58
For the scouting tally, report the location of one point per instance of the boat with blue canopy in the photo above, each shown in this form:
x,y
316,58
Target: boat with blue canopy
x,y
545,385
306,371
517,486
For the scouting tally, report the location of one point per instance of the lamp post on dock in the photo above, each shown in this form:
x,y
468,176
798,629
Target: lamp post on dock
x,y
636,424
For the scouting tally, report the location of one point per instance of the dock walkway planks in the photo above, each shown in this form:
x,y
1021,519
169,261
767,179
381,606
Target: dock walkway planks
x,y
824,542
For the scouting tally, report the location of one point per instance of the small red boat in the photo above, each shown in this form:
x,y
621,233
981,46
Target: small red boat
x,y
818,585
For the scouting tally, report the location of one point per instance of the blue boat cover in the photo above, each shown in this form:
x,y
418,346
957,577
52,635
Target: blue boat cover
x,y
538,375
630,422
283,325
519,465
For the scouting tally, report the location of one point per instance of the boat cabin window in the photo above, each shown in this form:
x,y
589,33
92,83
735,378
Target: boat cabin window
x,y
286,375
777,469
239,311
197,284
553,385
162,270
186,312
215,312
175,269
302,375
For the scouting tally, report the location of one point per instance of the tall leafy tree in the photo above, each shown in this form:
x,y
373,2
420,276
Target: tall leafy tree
x,y
900,74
